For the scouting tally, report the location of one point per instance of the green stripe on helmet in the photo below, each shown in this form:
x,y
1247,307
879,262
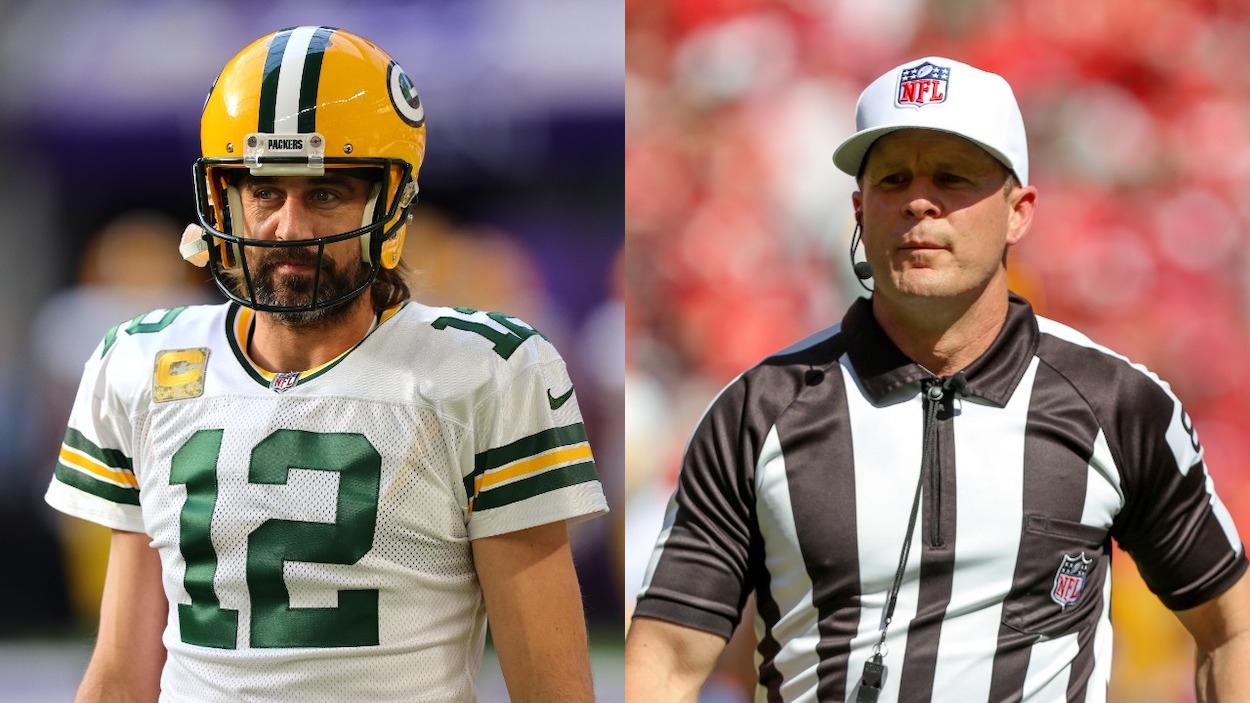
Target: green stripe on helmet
x,y
269,82
311,79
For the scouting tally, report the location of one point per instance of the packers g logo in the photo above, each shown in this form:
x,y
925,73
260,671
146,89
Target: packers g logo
x,y
179,374
404,96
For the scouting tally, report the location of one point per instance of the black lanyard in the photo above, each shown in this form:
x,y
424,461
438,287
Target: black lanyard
x,y
873,678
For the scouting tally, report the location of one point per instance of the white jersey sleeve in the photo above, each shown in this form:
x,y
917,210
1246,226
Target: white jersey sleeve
x,y
532,463
94,477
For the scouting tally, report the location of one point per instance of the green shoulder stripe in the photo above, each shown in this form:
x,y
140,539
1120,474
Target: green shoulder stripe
x,y
525,447
109,457
536,485
96,487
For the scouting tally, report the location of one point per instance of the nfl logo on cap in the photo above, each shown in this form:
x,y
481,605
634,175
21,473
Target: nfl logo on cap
x,y
922,85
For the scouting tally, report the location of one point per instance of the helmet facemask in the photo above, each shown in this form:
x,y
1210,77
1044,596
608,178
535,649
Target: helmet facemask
x,y
386,214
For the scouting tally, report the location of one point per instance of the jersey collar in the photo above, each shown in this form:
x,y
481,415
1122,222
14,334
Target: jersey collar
x,y
240,322
993,377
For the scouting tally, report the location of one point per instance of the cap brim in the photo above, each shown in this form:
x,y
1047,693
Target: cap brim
x,y
850,153
849,156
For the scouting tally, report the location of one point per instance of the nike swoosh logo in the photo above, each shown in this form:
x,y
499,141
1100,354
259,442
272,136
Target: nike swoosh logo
x,y
557,401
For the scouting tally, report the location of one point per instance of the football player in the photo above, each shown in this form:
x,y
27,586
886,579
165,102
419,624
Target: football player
x,y
320,489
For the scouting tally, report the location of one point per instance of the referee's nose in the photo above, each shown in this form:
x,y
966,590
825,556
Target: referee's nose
x,y
920,201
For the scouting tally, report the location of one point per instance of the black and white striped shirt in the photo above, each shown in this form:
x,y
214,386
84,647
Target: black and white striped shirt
x,y
799,480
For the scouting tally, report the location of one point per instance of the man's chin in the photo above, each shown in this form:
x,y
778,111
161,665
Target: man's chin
x,y
295,293
323,314
924,283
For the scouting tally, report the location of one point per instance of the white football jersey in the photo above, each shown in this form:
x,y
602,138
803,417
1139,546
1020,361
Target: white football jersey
x,y
314,528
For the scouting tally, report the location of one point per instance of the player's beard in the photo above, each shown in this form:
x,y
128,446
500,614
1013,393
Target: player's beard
x,y
292,290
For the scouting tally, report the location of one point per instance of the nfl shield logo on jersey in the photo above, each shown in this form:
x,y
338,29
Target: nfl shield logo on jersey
x,y
922,85
284,381
1070,579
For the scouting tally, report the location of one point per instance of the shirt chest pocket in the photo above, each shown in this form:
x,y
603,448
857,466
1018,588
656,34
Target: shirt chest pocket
x,y
1060,572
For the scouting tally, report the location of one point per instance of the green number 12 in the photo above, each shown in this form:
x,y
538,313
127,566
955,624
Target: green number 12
x,y
274,623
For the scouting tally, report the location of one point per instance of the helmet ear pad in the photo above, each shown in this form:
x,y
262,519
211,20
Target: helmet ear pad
x,y
392,245
370,216
230,253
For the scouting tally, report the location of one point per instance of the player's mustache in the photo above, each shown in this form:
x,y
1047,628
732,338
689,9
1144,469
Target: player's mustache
x,y
299,256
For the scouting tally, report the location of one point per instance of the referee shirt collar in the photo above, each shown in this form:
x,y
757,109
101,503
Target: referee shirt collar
x,y
883,369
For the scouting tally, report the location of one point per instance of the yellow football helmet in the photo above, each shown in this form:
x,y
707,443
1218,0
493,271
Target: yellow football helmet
x,y
294,103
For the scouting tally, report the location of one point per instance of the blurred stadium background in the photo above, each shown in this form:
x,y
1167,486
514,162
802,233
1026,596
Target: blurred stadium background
x,y
738,225
521,211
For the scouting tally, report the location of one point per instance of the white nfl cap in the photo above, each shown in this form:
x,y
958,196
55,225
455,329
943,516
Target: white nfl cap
x,y
945,95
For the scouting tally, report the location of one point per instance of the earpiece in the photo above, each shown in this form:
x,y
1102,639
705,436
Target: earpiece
x,y
862,269
193,247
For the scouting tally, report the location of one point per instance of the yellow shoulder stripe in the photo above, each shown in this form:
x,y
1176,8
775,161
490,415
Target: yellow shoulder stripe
x,y
78,460
532,465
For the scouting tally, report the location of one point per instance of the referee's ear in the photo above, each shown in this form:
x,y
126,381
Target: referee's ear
x,y
1022,200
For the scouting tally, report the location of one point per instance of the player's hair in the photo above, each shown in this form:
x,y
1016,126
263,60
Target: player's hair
x,y
390,288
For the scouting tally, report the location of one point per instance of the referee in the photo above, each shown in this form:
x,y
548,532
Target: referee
x,y
922,498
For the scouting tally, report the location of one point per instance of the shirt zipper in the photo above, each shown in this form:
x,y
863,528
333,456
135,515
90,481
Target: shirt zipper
x,y
936,391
